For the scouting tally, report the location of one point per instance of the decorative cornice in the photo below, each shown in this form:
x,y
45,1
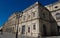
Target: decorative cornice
x,y
54,10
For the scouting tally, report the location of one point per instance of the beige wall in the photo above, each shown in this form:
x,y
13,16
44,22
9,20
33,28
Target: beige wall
x,y
51,7
54,10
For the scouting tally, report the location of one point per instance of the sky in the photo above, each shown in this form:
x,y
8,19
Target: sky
x,y
8,7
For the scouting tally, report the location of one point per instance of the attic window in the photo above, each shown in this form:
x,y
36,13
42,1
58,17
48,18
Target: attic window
x,y
56,6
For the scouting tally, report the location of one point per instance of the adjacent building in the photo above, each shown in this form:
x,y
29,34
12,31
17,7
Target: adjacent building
x,y
55,12
33,21
10,25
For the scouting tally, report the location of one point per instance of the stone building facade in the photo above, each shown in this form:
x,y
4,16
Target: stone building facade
x,y
9,25
55,12
33,21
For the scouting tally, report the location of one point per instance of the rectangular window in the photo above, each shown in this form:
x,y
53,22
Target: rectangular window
x,y
28,29
34,27
19,29
43,15
33,14
23,29
24,17
13,28
29,16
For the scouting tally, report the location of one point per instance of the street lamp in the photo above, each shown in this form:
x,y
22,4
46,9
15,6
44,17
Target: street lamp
x,y
17,17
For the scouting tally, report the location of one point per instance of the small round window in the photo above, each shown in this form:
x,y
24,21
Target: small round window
x,y
56,6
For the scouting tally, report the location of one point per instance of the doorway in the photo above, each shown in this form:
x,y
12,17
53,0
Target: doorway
x,y
23,29
44,30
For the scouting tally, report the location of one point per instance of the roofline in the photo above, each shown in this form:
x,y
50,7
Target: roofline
x,y
30,6
52,3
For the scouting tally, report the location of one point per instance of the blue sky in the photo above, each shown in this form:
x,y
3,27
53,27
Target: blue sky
x,y
8,7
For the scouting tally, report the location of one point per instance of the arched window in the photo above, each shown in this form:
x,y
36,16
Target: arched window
x,y
57,15
19,29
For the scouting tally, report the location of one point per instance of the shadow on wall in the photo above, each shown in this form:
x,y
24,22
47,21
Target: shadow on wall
x,y
54,26
1,31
